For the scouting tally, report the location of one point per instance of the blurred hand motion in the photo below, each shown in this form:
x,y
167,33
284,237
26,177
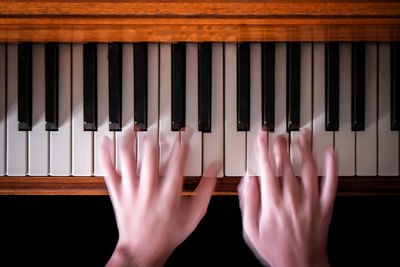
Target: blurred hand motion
x,y
286,219
152,216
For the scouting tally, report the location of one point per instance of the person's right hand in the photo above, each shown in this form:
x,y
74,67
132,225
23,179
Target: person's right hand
x,y
286,219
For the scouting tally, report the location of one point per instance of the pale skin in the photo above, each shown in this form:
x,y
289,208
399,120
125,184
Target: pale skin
x,y
152,216
285,219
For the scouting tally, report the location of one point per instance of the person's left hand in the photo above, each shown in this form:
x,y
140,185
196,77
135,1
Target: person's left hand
x,y
152,216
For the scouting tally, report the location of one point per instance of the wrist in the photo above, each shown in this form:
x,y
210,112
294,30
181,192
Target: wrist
x,y
120,258
320,260
123,256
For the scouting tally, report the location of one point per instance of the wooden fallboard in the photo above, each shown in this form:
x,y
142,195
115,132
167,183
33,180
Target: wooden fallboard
x,y
348,186
196,21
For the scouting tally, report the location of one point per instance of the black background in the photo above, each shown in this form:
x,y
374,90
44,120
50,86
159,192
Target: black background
x,y
81,231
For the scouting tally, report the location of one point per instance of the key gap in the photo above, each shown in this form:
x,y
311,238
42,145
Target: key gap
x,y
48,153
202,154
158,105
223,103
135,149
312,96
377,108
6,107
355,154
93,159
27,154
115,148
245,157
334,139
289,144
71,50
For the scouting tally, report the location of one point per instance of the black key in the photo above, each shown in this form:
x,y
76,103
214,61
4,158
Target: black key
x,y
243,86
268,86
293,86
90,87
140,86
358,86
178,86
51,74
115,86
25,87
205,56
395,85
332,87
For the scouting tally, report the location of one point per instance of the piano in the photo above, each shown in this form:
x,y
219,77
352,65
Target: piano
x,y
73,71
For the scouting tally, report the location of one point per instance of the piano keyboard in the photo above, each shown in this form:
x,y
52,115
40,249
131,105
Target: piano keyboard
x,y
57,100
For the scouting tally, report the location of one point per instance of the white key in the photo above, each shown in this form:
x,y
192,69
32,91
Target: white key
x,y
194,157
38,138
127,97
388,141
17,141
305,102
213,143
102,106
255,109
166,136
280,97
82,141
366,141
152,97
235,142
2,108
60,141
321,138
345,137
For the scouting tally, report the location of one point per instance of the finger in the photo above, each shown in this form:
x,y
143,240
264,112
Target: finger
x,y
128,160
249,194
329,182
270,184
195,207
308,166
290,183
202,195
149,174
172,184
111,178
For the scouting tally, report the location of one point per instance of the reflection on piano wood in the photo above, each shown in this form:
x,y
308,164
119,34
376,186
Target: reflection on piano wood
x,y
348,186
73,71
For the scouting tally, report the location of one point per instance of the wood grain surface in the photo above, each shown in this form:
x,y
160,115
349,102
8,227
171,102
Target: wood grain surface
x,y
196,21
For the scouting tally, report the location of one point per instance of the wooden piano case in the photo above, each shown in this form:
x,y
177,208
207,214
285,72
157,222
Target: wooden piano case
x,y
194,21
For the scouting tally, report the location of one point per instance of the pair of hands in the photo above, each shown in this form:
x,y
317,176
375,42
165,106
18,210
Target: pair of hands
x,y
285,220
